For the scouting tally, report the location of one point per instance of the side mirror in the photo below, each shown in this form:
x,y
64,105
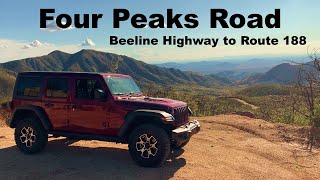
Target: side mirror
x,y
100,95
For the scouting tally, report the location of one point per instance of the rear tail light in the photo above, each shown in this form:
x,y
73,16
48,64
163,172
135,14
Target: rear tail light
x,y
190,111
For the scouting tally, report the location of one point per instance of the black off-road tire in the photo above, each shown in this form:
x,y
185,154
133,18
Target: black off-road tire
x,y
36,132
158,138
175,146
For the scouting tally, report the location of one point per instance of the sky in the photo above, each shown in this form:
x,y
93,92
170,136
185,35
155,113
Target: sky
x,y
21,36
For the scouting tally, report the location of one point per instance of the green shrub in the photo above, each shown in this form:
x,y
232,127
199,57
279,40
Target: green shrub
x,y
264,90
201,101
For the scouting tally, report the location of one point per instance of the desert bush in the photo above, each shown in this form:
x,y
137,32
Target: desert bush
x,y
7,80
200,102
280,109
4,108
264,90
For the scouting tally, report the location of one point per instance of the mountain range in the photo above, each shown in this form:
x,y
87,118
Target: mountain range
x,y
96,61
253,71
145,74
275,70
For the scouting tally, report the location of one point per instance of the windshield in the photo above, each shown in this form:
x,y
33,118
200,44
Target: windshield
x,y
122,86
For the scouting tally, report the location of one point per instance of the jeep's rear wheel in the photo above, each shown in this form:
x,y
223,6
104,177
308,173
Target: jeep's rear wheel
x,y
30,136
149,145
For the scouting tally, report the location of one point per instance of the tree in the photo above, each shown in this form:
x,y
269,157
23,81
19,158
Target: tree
x,y
308,86
114,66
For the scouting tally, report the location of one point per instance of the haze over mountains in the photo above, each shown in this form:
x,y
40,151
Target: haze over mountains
x,y
253,71
213,67
248,65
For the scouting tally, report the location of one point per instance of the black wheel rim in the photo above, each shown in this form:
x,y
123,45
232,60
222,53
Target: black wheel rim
x,y
147,146
28,136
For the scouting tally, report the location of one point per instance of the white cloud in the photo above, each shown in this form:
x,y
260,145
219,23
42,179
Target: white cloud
x,y
47,44
35,44
52,27
3,44
22,49
27,46
88,42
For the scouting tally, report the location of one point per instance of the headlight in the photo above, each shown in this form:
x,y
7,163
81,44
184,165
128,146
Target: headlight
x,y
190,111
171,118
172,112
167,117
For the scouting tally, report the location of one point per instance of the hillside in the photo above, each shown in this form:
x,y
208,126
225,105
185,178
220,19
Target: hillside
x,y
284,73
7,80
95,61
264,90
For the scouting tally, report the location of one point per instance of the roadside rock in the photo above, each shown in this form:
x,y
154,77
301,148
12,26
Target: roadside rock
x,y
245,113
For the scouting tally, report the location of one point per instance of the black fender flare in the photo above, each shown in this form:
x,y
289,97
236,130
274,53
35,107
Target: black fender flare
x,y
155,116
40,112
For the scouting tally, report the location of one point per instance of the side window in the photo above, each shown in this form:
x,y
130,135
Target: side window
x,y
85,88
29,86
57,88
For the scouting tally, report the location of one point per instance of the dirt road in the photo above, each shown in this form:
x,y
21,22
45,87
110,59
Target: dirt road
x,y
228,147
246,103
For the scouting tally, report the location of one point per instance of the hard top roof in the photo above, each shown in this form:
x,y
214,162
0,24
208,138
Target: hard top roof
x,y
67,73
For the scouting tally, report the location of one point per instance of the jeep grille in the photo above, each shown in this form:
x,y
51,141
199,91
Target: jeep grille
x,y
181,115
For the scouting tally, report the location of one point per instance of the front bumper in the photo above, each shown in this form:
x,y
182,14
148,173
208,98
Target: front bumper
x,y
184,133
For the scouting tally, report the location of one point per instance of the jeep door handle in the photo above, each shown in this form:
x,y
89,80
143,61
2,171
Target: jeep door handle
x,y
75,107
48,105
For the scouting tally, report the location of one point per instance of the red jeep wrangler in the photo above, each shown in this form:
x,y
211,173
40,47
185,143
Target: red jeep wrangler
x,y
94,106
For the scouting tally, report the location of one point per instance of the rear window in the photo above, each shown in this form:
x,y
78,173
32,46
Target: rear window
x,y
57,88
29,86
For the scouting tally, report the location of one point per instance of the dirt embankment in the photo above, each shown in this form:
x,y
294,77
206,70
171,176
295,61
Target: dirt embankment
x,y
227,147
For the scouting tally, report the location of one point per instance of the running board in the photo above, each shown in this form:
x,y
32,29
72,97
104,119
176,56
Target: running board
x,y
82,136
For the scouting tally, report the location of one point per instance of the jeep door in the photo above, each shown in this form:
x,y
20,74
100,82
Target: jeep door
x,y
88,114
56,101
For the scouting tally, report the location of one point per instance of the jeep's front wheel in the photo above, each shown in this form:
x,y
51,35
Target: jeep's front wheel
x,y
149,145
30,136
175,146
